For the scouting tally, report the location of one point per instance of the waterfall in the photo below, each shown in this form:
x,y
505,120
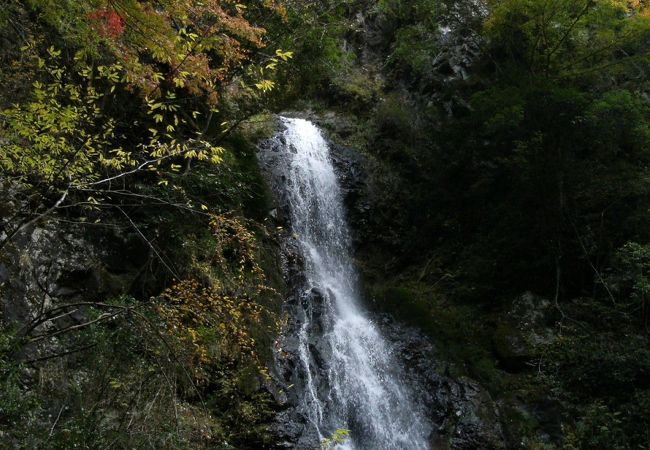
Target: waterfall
x,y
350,378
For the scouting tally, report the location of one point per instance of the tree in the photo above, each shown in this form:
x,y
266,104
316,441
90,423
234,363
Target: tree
x,y
565,38
73,134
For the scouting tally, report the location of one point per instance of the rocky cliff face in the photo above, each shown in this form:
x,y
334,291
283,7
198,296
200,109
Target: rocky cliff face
x,y
56,262
49,264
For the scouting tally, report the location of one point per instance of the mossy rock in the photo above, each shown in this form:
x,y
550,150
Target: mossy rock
x,y
405,303
259,127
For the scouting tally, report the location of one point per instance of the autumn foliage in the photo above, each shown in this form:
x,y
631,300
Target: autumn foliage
x,y
215,324
187,44
107,23
176,59
216,319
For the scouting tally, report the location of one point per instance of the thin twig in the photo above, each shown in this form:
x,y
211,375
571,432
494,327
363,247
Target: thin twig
x,y
56,421
596,271
35,219
172,271
104,316
60,355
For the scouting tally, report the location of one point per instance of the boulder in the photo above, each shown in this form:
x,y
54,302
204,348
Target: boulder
x,y
525,328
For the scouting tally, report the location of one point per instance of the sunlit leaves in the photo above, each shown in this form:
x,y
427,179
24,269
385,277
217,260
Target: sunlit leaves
x,y
62,136
59,135
265,85
284,56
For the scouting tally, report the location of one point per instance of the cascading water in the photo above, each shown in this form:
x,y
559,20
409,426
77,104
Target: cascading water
x,y
350,378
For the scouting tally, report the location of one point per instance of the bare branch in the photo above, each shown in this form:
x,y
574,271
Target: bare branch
x,y
102,317
56,421
140,168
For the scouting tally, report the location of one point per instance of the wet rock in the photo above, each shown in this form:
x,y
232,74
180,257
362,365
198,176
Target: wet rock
x,y
279,216
463,413
477,424
314,300
349,167
353,179
294,432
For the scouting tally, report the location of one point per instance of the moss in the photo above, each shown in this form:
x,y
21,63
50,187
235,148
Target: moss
x,y
248,380
258,127
518,422
406,303
359,86
455,328
256,198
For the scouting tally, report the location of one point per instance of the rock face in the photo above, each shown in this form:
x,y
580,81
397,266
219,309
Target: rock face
x,y
526,327
454,49
459,41
290,425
